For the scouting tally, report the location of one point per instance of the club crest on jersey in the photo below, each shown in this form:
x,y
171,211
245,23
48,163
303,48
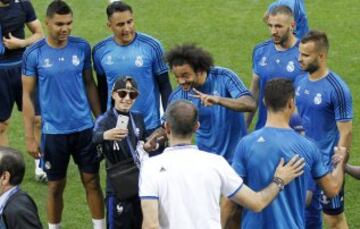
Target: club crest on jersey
x,y
139,61
263,62
290,66
47,63
109,60
317,99
75,60
216,93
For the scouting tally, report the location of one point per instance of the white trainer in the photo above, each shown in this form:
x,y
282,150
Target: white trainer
x,y
40,175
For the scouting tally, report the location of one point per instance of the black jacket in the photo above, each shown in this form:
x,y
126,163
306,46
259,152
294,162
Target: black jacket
x,y
21,212
108,121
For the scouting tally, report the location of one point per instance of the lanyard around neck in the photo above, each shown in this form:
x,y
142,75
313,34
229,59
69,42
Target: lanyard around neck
x,y
134,153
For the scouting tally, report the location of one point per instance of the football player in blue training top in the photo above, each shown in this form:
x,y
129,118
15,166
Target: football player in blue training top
x,y
273,58
219,95
136,54
325,105
299,11
258,153
61,66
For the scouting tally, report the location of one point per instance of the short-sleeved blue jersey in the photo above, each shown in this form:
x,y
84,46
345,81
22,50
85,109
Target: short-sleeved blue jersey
x,y
256,159
321,104
220,128
269,63
62,93
12,20
143,60
299,11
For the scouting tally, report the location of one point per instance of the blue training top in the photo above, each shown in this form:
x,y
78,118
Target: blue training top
x,y
143,60
256,159
220,128
321,104
62,93
269,63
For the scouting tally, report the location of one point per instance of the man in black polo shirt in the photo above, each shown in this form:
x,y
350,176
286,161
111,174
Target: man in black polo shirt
x,y
14,15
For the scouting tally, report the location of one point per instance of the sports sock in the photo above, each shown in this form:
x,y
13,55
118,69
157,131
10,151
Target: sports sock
x,y
98,223
54,226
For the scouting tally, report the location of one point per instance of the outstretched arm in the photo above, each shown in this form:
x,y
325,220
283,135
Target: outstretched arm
x,y
353,171
158,137
243,104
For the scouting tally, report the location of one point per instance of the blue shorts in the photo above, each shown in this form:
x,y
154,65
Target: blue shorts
x,y
123,214
11,92
335,205
57,148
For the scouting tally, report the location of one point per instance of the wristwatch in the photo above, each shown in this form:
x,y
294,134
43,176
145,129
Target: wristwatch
x,y
279,182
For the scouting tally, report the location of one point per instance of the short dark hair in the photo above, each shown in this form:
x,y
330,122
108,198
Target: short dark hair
x,y
117,6
182,116
12,161
278,91
281,9
319,38
197,58
58,7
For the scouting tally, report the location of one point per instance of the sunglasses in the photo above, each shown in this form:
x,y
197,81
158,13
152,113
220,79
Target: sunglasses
x,y
132,94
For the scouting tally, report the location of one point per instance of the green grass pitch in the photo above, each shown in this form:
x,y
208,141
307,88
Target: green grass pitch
x,y
229,30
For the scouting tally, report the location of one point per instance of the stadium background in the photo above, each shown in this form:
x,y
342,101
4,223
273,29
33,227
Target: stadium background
x,y
229,29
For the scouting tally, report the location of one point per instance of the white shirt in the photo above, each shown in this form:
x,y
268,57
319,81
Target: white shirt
x,y
188,183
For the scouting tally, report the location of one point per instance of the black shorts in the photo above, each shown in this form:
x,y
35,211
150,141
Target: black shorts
x,y
335,205
11,92
57,148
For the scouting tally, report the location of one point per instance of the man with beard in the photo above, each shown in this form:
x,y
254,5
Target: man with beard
x,y
217,92
325,105
258,153
274,58
299,11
